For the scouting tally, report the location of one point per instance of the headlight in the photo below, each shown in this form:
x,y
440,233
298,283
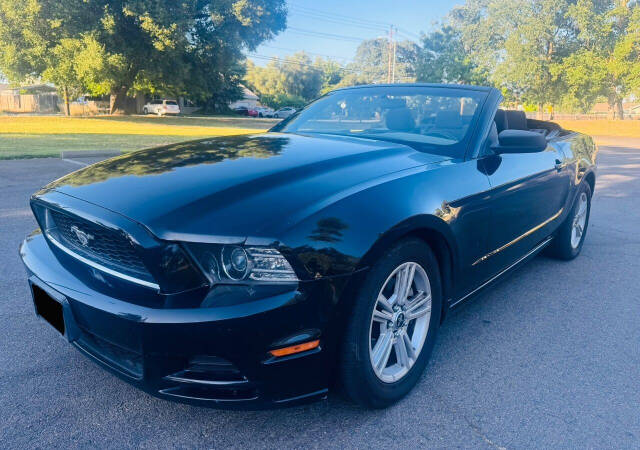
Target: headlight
x,y
235,263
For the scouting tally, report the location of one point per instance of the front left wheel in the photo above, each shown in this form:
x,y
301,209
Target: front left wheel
x,y
393,326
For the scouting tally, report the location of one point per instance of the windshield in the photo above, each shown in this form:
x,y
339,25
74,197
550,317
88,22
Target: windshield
x,y
433,119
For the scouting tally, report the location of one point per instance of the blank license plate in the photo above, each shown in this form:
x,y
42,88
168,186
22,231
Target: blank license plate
x,y
48,308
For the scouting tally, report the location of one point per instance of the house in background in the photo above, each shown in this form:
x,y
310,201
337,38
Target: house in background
x,y
249,99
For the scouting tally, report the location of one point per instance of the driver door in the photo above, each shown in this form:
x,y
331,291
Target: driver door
x,y
527,195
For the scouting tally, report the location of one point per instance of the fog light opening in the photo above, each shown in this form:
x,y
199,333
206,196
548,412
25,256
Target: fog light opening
x,y
293,349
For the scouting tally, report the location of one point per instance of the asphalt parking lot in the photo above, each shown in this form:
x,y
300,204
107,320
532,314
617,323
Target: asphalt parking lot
x,y
549,357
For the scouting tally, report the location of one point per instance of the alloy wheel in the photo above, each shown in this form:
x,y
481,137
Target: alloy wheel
x,y
579,221
400,322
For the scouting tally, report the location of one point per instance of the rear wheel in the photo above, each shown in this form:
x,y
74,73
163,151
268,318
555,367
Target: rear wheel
x,y
570,237
393,326
145,111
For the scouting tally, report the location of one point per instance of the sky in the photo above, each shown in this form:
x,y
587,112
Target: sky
x,y
342,24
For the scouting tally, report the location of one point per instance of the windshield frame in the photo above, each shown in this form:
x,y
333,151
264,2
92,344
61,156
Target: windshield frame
x,y
455,150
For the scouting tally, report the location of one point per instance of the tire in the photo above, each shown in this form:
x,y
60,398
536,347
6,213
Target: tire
x,y
275,116
566,245
379,388
145,111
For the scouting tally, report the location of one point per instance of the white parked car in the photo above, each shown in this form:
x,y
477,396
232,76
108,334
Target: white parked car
x,y
161,107
264,111
283,113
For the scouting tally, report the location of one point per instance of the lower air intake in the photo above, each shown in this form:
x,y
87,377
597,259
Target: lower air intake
x,y
211,378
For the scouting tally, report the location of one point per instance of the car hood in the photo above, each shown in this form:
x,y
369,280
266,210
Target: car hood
x,y
235,187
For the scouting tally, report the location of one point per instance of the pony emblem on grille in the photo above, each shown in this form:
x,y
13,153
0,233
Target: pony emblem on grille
x,y
83,237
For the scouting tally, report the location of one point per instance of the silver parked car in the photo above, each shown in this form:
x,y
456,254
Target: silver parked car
x,y
161,107
285,112
264,111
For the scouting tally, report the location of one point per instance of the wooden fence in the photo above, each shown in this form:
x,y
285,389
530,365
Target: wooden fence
x,y
36,103
589,116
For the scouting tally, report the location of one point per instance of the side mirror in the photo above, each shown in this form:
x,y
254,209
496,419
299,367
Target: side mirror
x,y
520,141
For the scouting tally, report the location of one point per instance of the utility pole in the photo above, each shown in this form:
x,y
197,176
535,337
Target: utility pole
x,y
389,50
393,71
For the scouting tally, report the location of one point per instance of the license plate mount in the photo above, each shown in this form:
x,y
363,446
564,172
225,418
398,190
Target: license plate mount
x,y
47,307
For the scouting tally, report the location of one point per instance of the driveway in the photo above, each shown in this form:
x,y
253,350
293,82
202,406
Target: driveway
x,y
549,357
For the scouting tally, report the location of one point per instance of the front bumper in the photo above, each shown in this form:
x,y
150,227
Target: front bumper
x,y
160,349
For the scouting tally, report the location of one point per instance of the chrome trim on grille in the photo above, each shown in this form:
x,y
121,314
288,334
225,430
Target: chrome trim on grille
x,y
100,267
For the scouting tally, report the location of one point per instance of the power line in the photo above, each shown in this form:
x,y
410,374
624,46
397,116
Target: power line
x,y
346,20
312,67
341,21
304,51
341,16
338,37
408,35
299,63
356,21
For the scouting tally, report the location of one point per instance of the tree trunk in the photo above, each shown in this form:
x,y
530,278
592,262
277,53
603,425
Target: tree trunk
x,y
65,99
619,109
540,114
119,103
552,113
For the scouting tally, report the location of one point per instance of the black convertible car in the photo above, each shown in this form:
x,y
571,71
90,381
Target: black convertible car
x,y
264,269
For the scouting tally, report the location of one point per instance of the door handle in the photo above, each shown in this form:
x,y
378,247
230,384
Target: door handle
x,y
559,165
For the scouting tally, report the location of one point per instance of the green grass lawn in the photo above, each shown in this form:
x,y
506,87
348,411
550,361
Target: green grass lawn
x,y
41,136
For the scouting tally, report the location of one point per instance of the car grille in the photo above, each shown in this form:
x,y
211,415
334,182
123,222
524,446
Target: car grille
x,y
109,248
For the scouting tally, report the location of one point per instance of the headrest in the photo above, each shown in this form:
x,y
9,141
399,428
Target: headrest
x,y
400,119
448,119
517,120
501,120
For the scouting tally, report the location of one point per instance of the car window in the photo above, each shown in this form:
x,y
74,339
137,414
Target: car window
x,y
171,102
436,119
156,102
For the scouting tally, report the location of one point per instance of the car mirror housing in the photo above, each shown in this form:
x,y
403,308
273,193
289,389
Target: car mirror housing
x,y
520,141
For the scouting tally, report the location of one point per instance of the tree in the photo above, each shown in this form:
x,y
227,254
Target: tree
x,y
332,73
518,44
301,77
33,44
179,48
606,64
63,73
444,59
372,60
294,80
